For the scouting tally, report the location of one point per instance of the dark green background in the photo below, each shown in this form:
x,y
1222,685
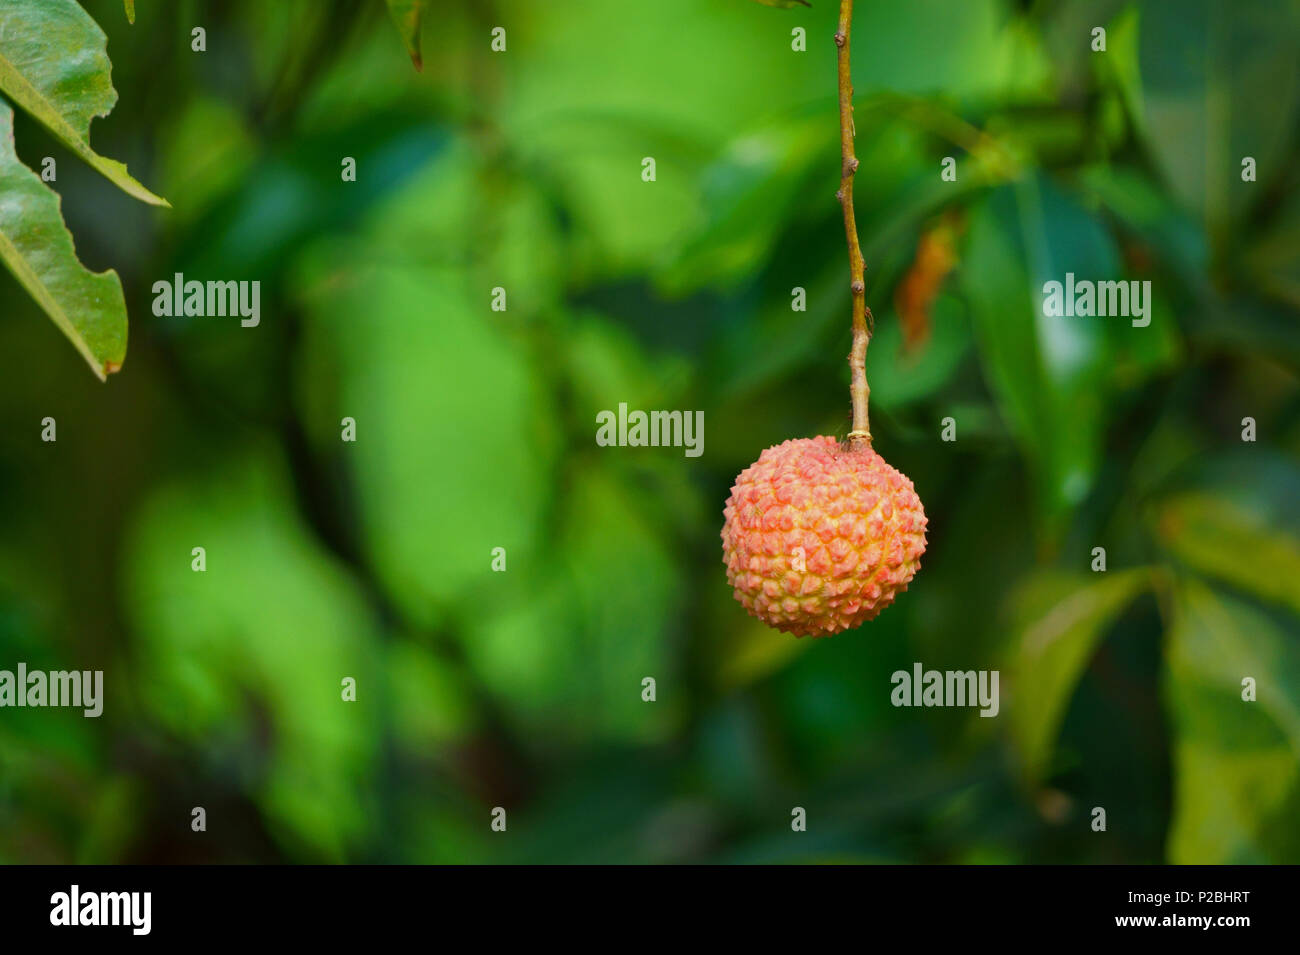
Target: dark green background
x,y
476,429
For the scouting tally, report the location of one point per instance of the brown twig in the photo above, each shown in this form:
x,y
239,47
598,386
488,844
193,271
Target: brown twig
x,y
860,436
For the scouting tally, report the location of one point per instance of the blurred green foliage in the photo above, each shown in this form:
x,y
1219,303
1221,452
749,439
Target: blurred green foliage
x,y
475,430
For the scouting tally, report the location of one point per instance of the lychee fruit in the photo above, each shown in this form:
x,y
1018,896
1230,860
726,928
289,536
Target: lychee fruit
x,y
820,537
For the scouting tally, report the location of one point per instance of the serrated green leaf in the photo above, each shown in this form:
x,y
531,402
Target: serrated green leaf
x,y
1059,621
54,64
408,14
37,248
130,11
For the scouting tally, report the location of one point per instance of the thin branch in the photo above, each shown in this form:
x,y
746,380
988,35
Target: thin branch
x,y
860,436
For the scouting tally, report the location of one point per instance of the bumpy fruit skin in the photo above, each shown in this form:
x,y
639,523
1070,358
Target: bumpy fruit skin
x,y
819,538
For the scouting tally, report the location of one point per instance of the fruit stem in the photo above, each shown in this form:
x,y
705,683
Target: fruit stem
x,y
863,323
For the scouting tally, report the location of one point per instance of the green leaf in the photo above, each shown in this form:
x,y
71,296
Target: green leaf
x,y
751,649
1153,215
431,705
752,193
407,14
1272,257
1059,620
900,376
1218,85
54,64
571,653
37,248
1236,762
251,652
1239,524
1051,375
456,423
130,11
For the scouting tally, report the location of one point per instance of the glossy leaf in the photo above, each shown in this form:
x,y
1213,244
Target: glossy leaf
x,y
1051,375
37,248
54,65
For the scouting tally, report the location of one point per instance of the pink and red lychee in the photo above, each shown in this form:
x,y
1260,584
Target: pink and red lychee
x,y
820,537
